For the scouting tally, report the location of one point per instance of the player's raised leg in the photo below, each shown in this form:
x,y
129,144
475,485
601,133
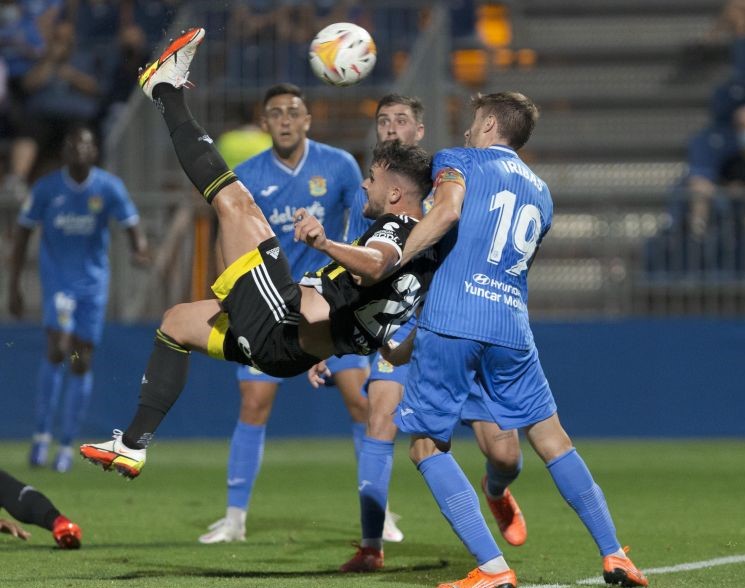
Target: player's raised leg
x,y
242,224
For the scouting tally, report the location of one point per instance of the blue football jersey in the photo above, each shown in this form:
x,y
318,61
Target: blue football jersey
x,y
324,182
74,220
480,291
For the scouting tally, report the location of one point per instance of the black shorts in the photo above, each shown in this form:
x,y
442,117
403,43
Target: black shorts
x,y
262,303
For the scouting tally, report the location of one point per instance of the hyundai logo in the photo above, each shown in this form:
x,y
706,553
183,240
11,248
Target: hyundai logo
x,y
481,279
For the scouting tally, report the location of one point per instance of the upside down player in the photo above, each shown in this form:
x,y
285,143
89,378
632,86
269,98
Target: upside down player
x,y
261,316
296,172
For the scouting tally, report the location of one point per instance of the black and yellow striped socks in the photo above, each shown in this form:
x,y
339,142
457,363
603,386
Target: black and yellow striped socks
x,y
195,149
162,383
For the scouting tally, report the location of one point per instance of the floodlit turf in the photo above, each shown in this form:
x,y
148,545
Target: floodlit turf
x,y
673,502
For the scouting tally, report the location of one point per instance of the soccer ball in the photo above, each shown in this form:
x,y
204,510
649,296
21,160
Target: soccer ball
x,y
342,54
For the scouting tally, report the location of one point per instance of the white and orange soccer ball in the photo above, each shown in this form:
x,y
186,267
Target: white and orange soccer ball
x,y
342,54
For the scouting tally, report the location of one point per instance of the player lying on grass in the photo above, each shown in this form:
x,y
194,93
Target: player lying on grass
x,y
261,317
28,505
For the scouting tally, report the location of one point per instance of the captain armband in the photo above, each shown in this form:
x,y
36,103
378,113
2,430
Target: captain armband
x,y
449,174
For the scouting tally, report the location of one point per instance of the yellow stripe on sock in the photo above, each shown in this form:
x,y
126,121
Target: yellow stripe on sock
x,y
241,266
166,340
215,186
216,341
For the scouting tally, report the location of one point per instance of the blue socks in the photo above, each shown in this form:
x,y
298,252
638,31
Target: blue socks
x,y
77,395
373,477
576,485
459,504
497,481
49,386
244,462
358,434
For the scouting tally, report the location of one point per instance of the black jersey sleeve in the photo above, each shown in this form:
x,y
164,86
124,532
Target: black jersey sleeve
x,y
390,229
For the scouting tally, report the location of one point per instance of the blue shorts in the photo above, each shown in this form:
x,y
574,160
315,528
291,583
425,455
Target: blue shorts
x,y
246,373
83,316
441,377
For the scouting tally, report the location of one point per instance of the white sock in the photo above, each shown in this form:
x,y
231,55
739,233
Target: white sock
x,y
495,565
236,516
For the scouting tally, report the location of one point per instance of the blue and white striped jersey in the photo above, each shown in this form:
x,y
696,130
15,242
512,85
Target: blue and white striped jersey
x,y
480,291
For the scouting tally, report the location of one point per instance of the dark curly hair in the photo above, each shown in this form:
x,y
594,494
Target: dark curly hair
x,y
410,161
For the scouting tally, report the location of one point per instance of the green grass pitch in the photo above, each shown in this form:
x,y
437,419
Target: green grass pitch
x,y
674,502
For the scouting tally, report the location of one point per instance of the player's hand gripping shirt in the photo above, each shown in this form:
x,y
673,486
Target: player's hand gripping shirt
x,y
74,219
324,182
363,318
480,291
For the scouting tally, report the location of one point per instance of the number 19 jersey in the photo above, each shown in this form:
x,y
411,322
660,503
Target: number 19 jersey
x,y
480,291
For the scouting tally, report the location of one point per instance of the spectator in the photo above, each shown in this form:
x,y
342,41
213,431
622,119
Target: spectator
x,y
706,210
63,89
25,28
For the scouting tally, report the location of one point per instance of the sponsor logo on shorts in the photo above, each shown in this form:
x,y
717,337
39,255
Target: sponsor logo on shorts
x,y
406,411
245,346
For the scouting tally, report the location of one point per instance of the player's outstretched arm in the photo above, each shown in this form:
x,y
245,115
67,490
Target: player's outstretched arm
x,y
370,263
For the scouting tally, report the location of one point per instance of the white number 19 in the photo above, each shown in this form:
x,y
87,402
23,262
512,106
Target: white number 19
x,y
525,232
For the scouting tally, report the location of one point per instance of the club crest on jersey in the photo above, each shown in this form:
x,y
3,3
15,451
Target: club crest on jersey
x,y
317,186
95,204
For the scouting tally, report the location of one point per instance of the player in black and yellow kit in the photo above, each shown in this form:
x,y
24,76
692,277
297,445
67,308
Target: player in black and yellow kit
x,y
261,316
28,505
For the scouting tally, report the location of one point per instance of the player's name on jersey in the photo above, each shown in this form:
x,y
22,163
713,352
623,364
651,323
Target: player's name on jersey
x,y
510,299
286,217
516,167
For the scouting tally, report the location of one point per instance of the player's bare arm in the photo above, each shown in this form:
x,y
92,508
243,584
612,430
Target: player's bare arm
x,y
399,354
450,189
370,263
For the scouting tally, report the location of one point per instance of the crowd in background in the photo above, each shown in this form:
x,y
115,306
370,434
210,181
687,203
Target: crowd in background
x,y
64,63
706,234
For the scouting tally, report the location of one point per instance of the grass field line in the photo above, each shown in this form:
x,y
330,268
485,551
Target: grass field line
x,y
683,567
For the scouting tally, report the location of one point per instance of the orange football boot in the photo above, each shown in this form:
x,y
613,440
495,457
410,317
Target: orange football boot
x,y
621,571
509,518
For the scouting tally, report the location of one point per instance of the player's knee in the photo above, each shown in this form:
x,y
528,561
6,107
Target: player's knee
x,y
232,203
381,426
174,320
